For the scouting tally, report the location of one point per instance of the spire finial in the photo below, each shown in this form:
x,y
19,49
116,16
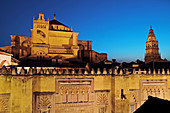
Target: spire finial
x,y
150,26
54,16
71,28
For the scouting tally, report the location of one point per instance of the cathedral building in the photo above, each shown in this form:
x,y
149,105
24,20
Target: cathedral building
x,y
152,49
52,40
52,89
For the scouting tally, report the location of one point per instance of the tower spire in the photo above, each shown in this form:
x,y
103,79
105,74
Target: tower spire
x,y
152,49
150,26
54,16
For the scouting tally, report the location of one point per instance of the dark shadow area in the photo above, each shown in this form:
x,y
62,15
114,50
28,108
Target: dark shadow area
x,y
154,105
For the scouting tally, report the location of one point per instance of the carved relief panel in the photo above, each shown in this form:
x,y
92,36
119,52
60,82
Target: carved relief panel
x,y
71,96
74,90
134,99
4,103
44,103
74,93
102,101
156,88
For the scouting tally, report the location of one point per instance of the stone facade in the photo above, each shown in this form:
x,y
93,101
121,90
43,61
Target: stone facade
x,y
75,90
52,40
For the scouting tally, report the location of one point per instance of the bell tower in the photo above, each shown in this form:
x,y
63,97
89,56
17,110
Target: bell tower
x,y
152,50
40,30
40,39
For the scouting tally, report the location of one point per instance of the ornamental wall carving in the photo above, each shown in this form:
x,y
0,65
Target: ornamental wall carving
x,y
44,103
152,87
133,96
75,94
156,88
134,99
102,100
74,90
70,94
4,103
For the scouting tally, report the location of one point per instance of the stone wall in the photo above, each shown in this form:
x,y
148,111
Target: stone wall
x,y
55,90
75,90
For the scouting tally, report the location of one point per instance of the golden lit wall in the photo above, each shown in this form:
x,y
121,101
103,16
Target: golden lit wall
x,y
74,90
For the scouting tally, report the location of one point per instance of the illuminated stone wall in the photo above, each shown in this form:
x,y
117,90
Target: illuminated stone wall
x,y
55,90
74,90
137,87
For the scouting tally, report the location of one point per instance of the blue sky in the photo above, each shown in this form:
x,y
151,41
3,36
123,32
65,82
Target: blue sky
x,y
116,27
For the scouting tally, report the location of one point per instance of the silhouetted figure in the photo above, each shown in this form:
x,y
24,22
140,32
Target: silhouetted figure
x,y
122,95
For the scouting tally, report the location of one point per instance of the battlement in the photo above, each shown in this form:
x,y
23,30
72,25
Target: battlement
x,y
78,71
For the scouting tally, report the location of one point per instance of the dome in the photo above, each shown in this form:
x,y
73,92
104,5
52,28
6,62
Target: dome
x,y
56,22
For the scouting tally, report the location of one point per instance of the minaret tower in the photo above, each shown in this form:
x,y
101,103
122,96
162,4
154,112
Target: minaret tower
x,y
152,50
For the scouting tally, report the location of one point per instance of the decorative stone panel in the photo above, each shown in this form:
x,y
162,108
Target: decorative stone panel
x,y
44,103
74,90
156,88
4,103
102,100
134,99
74,95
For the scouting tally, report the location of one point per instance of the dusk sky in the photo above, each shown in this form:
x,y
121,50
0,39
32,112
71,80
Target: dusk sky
x,y
116,27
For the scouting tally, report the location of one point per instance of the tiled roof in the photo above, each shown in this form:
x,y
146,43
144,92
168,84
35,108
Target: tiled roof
x,y
4,52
